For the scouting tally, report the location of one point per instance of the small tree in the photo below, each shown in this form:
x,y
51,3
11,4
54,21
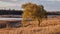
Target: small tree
x,y
33,11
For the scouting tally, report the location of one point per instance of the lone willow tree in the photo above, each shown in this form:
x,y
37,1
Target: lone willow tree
x,y
33,12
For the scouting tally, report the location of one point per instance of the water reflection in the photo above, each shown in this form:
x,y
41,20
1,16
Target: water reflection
x,y
10,18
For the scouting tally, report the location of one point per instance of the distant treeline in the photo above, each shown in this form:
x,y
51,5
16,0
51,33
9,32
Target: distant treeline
x,y
53,13
19,12
11,12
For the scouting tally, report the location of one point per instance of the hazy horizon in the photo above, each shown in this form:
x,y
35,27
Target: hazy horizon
x,y
49,5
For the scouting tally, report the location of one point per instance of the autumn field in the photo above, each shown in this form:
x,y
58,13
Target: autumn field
x,y
49,26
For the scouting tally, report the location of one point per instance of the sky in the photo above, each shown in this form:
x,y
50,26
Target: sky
x,y
49,5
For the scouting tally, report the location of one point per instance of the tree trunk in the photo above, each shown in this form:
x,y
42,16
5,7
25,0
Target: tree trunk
x,y
39,22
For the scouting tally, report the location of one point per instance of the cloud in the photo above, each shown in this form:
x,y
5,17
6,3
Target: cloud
x,y
14,0
48,0
52,0
57,0
9,0
16,4
9,5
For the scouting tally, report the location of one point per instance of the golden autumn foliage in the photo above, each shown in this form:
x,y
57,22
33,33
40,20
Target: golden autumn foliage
x,y
33,12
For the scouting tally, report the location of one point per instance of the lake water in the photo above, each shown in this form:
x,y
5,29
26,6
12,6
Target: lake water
x,y
49,16
10,18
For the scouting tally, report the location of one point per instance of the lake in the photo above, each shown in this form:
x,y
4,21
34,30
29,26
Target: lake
x,y
10,18
49,16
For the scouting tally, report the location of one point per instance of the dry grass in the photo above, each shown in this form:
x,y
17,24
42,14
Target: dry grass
x,y
51,26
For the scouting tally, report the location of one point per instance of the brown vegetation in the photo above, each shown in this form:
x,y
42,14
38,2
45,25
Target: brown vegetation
x,y
51,26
